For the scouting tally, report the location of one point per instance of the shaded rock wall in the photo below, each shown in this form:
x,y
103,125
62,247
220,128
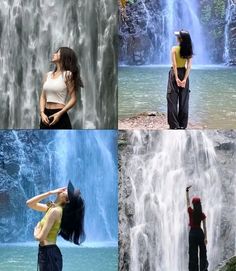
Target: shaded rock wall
x,y
139,41
19,180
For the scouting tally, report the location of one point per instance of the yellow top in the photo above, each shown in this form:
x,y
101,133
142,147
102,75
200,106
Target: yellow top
x,y
180,62
52,235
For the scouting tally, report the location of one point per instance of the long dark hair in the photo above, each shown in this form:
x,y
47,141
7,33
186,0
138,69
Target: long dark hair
x,y
186,47
69,62
72,222
197,212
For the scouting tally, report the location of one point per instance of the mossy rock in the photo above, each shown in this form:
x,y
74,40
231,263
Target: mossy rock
x,y
229,265
206,13
219,8
217,32
122,143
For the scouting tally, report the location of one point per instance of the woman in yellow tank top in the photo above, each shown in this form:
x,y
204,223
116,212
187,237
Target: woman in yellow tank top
x,y
178,82
63,217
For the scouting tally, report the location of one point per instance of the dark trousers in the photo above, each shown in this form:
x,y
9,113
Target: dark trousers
x,y
49,258
63,123
196,241
177,101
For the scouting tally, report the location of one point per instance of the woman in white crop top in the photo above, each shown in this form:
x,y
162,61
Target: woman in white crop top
x,y
59,90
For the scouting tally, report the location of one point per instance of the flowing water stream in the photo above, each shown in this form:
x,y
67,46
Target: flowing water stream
x,y
179,15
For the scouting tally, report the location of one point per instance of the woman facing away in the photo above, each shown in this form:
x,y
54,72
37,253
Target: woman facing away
x,y
178,82
197,236
58,85
63,217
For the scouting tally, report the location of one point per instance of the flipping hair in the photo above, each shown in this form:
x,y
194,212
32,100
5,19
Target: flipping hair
x,y
186,47
72,223
69,62
197,213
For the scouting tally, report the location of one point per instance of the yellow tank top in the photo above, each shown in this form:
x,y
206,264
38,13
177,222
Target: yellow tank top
x,y
179,60
52,235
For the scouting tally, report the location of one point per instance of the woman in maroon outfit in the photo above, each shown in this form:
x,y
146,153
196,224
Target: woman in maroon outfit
x,y
197,236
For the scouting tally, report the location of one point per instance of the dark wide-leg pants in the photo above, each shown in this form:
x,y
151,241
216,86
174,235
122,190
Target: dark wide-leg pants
x,y
177,101
49,258
196,241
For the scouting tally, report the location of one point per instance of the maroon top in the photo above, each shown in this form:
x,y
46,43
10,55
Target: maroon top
x,y
191,222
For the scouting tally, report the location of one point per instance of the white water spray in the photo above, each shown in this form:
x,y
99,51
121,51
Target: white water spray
x,y
30,31
162,166
183,15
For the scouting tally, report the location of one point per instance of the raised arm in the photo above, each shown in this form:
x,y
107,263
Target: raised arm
x,y
34,203
205,231
187,196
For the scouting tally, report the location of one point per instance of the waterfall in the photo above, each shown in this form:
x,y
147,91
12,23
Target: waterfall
x,y
161,166
30,31
230,16
35,162
183,15
93,168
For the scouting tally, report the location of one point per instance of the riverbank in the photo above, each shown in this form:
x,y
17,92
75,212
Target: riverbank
x,y
212,98
150,121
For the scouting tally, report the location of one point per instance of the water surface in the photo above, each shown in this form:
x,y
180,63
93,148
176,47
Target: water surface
x,y
24,258
212,97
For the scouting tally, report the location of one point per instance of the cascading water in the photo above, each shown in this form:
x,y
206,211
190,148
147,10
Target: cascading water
x,y
87,158
179,15
158,168
229,35
30,31
99,188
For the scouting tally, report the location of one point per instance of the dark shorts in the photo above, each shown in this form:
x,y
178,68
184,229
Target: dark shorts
x,y
63,123
49,258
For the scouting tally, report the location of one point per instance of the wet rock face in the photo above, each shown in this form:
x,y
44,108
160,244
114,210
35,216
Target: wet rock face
x,y
19,179
231,30
228,265
225,146
11,201
139,39
213,20
142,32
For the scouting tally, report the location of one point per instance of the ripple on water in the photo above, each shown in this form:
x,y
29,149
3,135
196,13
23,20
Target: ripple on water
x,y
212,97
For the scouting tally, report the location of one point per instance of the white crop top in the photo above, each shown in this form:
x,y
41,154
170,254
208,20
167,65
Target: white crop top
x,y
56,89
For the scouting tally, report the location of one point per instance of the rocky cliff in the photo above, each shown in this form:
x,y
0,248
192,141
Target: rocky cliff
x,y
19,180
144,30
